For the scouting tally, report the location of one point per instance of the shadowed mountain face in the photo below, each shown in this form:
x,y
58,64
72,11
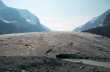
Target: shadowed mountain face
x,y
2,4
105,31
99,25
17,20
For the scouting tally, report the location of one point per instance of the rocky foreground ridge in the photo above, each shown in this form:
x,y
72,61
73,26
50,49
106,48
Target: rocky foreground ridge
x,y
45,52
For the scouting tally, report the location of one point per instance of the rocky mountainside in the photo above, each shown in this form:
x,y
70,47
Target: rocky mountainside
x,y
2,5
18,20
98,25
105,31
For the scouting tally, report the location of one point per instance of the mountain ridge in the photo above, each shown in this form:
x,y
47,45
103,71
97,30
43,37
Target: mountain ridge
x,y
19,20
97,25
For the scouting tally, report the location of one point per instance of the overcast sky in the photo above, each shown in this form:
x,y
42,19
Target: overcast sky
x,y
62,15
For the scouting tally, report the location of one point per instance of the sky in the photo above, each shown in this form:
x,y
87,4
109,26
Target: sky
x,y
62,15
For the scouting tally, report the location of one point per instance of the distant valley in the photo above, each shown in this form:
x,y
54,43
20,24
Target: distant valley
x,y
26,45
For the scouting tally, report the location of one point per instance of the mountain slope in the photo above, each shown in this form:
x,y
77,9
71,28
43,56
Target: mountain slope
x,y
105,31
2,5
18,20
97,25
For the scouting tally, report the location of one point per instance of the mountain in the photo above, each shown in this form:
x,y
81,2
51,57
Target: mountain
x,y
14,20
98,25
105,31
2,5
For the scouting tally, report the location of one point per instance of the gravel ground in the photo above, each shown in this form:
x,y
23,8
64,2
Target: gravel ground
x,y
44,64
43,52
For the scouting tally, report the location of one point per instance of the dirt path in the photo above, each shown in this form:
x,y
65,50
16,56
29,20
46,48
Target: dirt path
x,y
90,62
